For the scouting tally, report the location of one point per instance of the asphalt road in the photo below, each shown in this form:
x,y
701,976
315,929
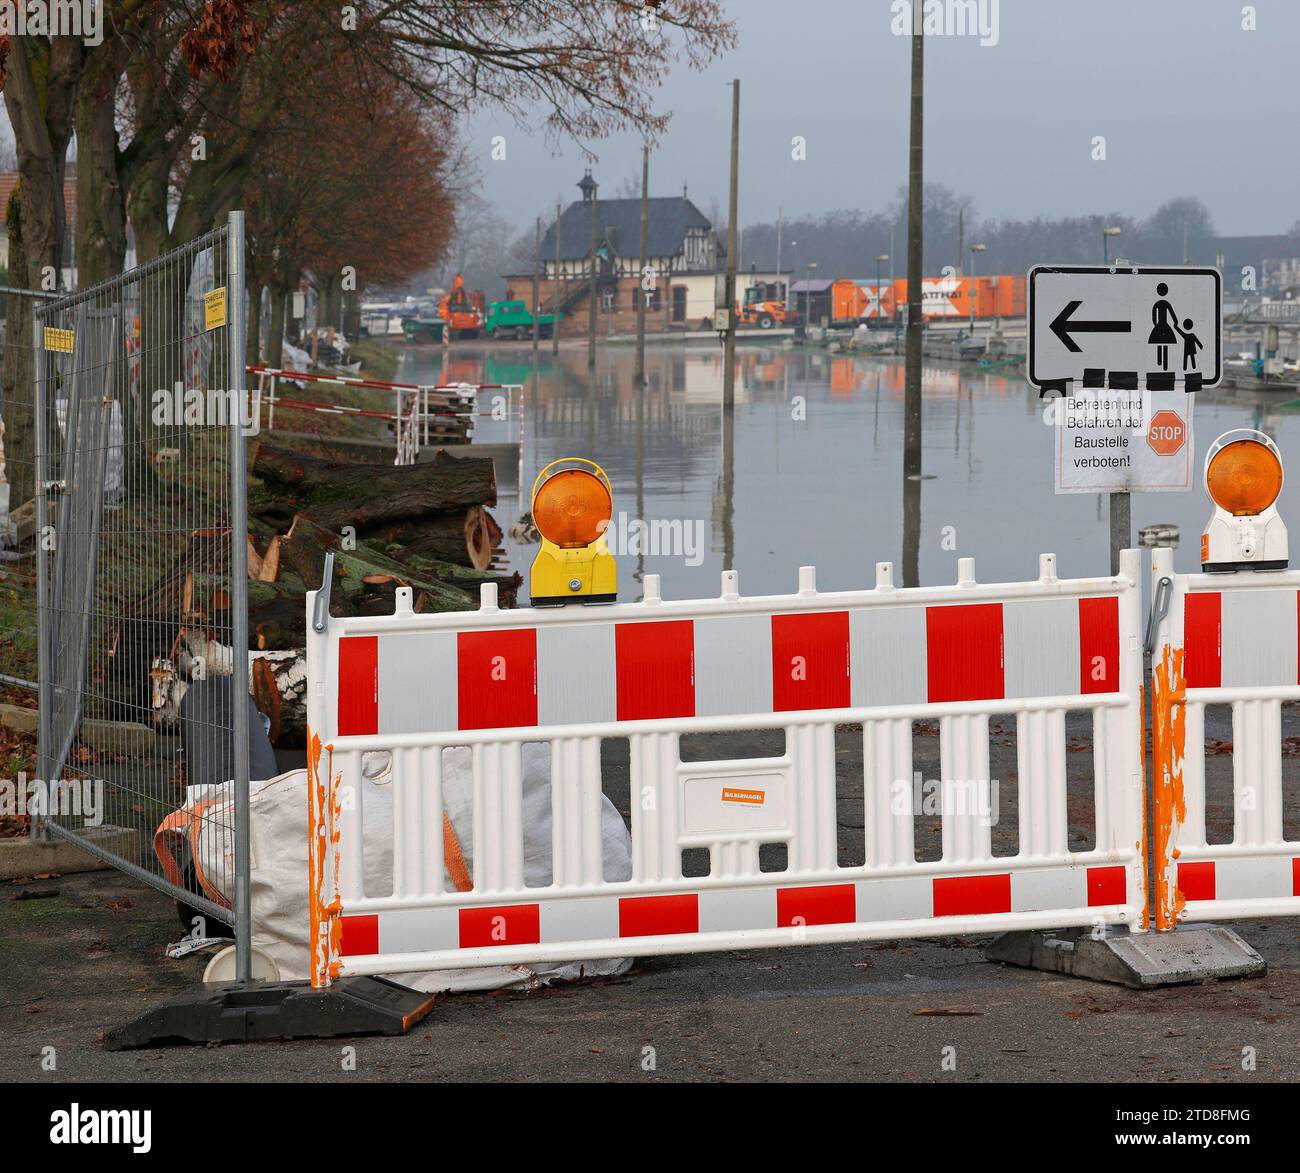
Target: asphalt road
x,y
83,952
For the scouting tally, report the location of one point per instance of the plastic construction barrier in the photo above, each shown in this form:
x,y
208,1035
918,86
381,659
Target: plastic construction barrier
x,y
656,670
1224,639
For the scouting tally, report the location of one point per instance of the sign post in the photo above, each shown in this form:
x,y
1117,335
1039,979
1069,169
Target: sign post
x,y
1148,333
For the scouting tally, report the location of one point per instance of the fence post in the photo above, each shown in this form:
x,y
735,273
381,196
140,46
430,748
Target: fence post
x,y
43,633
239,593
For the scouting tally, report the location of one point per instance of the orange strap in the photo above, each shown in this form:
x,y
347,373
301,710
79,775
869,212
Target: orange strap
x,y
191,819
177,822
454,857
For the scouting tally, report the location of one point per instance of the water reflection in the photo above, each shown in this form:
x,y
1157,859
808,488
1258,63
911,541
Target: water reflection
x,y
808,469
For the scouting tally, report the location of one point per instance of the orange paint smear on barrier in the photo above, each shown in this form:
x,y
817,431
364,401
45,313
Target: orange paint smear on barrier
x,y
335,908
323,928
1168,742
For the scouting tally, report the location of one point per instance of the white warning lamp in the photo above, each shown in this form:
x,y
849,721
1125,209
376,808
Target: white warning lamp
x,y
1243,477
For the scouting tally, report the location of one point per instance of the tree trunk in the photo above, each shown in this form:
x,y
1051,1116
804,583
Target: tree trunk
x,y
327,307
146,202
18,390
101,208
254,356
40,93
275,344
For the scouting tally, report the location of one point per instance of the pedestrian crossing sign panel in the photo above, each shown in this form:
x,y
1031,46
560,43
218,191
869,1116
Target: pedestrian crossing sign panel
x,y
1124,327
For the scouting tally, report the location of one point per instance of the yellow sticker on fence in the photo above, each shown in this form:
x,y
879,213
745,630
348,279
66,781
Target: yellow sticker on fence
x,y
60,340
214,309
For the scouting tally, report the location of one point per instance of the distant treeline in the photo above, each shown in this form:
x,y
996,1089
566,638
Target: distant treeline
x,y
847,243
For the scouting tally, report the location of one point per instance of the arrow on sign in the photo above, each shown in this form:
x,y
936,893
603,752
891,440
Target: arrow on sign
x,y
1063,326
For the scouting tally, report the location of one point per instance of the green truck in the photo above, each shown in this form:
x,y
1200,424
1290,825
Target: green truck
x,y
511,319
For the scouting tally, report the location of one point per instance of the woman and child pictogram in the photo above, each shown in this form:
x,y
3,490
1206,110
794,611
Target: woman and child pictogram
x,y
1165,332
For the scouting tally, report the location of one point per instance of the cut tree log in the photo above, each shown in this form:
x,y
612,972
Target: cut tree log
x,y
468,578
463,538
304,546
277,613
365,579
338,493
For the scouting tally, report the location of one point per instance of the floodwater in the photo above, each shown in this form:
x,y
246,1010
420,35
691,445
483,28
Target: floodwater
x,y
815,472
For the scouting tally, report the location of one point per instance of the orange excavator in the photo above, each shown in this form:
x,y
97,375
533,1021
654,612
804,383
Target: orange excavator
x,y
461,310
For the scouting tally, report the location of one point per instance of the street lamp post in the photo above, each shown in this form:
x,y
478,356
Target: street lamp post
x,y
1106,234
880,300
974,248
807,295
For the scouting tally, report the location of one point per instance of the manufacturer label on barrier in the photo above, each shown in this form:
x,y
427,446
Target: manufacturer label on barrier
x,y
214,309
59,340
736,803
1123,442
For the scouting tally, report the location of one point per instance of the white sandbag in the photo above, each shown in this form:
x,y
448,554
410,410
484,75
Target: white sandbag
x,y
278,859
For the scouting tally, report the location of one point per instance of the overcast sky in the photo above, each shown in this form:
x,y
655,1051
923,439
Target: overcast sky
x,y
1189,104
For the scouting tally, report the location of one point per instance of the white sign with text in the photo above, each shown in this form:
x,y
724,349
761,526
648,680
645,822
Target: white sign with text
x,y
1123,442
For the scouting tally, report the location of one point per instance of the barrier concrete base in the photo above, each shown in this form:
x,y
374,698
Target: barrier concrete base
x,y
240,1013
1142,961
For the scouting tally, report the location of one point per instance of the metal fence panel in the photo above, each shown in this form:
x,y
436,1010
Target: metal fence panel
x,y
142,573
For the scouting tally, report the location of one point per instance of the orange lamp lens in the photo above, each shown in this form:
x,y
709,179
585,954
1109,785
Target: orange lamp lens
x,y
1244,478
570,507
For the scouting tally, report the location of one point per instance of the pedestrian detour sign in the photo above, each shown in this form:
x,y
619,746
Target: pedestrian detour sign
x,y
1123,344
1124,327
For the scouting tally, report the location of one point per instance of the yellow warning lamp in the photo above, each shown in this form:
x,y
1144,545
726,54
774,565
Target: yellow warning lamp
x,y
1243,477
572,504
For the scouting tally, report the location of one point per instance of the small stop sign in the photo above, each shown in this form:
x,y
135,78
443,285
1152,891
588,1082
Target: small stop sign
x,y
1167,433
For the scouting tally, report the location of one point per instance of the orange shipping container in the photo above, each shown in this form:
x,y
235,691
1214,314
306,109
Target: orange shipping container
x,y
950,297
848,301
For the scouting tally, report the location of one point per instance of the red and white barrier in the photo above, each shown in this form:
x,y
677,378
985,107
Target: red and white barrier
x,y
1227,639
655,670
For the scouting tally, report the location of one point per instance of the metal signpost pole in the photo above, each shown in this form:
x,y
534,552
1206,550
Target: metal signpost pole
x,y
1121,527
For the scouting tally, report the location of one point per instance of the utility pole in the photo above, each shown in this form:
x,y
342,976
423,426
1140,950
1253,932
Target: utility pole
x,y
729,345
591,309
780,217
555,288
537,264
915,322
638,377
